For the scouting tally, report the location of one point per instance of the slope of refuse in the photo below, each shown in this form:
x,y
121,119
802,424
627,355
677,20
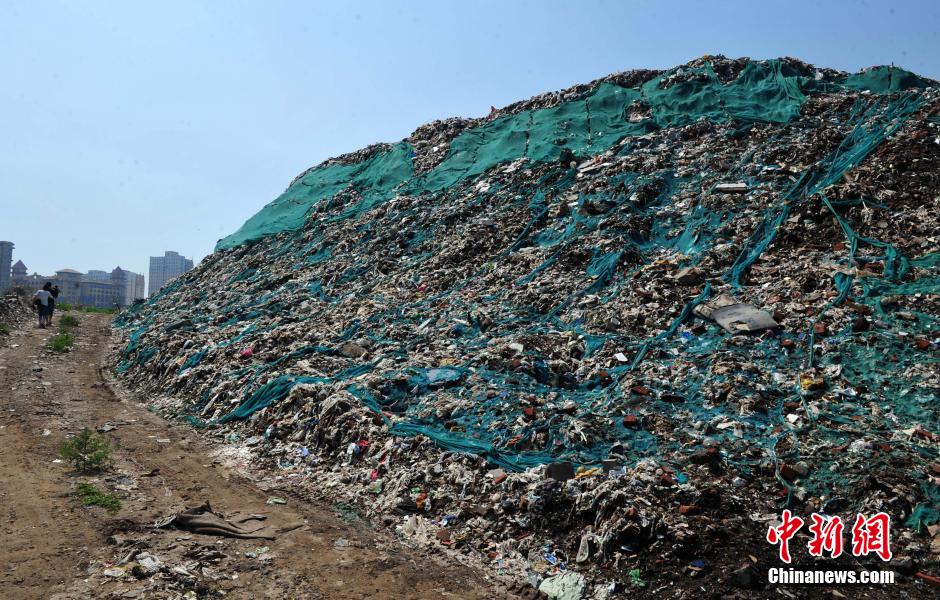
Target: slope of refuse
x,y
14,310
598,335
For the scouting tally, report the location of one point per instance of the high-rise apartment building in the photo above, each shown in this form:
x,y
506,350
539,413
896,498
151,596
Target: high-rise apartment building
x,y
166,268
128,286
139,291
6,265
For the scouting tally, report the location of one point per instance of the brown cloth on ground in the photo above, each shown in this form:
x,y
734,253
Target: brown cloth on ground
x,y
202,520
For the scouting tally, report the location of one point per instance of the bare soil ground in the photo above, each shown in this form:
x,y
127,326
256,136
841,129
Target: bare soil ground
x,y
52,547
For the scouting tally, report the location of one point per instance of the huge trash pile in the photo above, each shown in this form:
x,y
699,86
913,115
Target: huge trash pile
x,y
600,338
14,310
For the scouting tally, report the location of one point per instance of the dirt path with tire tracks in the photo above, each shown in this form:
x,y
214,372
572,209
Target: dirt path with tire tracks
x,y
51,547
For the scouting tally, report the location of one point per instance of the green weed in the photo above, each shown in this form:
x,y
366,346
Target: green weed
x,y
62,341
89,495
94,309
67,321
87,451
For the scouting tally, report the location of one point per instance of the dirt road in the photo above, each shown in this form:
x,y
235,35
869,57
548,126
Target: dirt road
x,y
51,547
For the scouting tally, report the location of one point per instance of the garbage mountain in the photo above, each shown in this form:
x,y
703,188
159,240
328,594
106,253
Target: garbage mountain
x,y
649,308
14,309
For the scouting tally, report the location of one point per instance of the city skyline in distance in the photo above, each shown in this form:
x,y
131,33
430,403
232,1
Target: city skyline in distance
x,y
11,261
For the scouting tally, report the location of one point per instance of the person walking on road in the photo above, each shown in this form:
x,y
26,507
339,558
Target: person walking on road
x,y
42,300
54,291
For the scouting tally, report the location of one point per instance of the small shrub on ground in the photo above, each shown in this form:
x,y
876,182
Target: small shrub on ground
x,y
95,309
63,306
67,321
87,451
62,341
89,495
4,329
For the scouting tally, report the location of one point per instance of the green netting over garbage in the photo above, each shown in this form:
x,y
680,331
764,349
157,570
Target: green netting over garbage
x,y
281,386
192,361
872,123
592,124
374,179
602,239
885,79
769,91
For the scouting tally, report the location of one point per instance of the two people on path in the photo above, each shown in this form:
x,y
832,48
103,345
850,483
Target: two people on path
x,y
44,301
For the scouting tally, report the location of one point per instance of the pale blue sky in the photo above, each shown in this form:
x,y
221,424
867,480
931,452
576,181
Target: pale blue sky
x,y
127,129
